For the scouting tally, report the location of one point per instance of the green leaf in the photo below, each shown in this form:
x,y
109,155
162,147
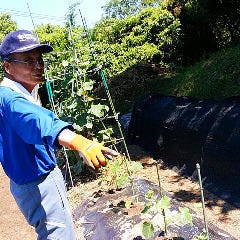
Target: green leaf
x,y
82,119
98,110
128,204
89,125
79,92
135,166
164,203
122,180
116,166
184,217
87,86
105,134
147,207
149,194
148,230
77,127
65,63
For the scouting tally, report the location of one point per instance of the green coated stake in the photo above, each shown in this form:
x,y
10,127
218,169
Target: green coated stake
x,y
202,199
49,90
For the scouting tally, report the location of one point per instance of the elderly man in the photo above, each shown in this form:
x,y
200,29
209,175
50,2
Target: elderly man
x,y
29,134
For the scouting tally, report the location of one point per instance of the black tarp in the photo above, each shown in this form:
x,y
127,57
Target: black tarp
x,y
185,130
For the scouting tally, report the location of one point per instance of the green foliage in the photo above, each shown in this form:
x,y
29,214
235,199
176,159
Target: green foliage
x,y
147,207
7,25
103,135
225,21
183,216
150,36
154,206
56,36
67,71
148,230
134,166
122,180
128,204
164,203
118,172
207,25
122,8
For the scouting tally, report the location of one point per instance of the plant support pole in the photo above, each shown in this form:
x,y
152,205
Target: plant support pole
x,y
202,198
161,195
114,112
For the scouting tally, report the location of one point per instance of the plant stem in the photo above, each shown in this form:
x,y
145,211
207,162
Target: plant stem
x,y
202,199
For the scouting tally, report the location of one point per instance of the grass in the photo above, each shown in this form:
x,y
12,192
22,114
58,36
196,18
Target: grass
x,y
216,77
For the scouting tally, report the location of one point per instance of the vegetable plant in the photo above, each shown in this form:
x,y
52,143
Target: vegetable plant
x,y
153,210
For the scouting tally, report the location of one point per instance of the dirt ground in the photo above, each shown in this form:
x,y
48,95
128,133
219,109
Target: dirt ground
x,y
219,212
12,223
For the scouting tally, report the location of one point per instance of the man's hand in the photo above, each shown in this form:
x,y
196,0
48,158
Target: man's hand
x,y
92,152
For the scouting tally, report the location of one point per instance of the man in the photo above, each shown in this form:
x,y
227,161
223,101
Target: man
x,y
29,134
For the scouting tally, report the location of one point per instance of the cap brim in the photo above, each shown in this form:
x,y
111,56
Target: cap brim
x,y
45,48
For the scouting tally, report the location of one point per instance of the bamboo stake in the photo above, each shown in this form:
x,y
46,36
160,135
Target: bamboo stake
x,y
203,201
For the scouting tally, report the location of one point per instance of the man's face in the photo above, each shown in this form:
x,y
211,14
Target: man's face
x,y
26,68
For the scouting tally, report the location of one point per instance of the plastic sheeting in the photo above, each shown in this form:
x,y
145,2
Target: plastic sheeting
x,y
104,217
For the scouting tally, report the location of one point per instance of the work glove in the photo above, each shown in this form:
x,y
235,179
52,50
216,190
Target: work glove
x,y
92,152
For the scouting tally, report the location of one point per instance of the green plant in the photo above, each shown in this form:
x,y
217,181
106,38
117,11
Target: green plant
x,y
154,207
118,172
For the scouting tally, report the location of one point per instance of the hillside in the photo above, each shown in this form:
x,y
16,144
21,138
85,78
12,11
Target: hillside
x,y
215,77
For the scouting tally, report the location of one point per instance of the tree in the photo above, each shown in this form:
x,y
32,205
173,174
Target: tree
x,y
6,25
207,25
123,8
152,36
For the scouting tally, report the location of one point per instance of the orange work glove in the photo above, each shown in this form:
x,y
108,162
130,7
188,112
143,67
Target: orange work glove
x,y
91,152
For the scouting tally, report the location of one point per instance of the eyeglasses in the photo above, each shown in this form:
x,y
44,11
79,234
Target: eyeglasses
x,y
31,63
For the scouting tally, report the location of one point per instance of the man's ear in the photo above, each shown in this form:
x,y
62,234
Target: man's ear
x,y
6,66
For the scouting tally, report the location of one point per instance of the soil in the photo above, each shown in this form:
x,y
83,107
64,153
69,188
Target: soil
x,y
12,223
219,212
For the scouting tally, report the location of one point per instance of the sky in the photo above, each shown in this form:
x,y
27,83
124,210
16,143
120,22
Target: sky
x,y
30,13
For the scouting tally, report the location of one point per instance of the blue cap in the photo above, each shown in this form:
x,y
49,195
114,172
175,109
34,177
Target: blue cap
x,y
21,41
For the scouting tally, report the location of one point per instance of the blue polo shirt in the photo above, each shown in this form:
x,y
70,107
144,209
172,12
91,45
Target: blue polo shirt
x,y
28,137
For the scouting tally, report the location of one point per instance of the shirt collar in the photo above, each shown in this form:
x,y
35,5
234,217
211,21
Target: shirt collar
x,y
33,96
